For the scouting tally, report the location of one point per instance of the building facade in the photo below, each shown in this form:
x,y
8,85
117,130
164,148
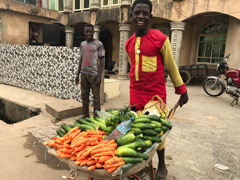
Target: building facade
x,y
201,31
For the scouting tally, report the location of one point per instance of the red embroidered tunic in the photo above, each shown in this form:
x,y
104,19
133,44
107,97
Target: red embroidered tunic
x,y
148,55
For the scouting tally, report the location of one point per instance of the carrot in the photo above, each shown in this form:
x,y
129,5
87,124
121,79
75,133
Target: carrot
x,y
80,148
114,165
102,159
84,162
98,165
67,141
73,158
54,137
74,134
91,162
77,163
72,130
113,160
62,155
92,167
67,146
66,151
110,170
108,153
100,150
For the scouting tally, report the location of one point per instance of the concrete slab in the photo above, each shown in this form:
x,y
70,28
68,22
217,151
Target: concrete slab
x,y
64,109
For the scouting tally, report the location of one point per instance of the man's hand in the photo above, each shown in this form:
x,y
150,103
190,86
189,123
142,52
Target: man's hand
x,y
98,80
77,80
183,99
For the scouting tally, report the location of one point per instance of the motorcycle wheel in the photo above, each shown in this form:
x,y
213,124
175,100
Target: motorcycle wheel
x,y
217,90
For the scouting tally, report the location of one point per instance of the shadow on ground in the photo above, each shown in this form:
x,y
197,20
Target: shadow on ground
x,y
39,150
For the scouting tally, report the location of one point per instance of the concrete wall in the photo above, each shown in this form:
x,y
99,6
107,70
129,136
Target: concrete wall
x,y
191,34
48,70
233,43
17,27
182,10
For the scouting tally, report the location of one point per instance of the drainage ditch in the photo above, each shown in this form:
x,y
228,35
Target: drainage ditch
x,y
11,112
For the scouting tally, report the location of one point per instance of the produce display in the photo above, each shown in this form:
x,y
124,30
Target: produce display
x,y
83,141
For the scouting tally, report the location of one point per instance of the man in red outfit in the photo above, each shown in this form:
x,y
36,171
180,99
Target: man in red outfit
x,y
149,51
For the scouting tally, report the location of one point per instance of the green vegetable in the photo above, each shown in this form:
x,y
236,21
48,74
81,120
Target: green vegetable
x,y
166,123
158,130
142,120
85,127
158,124
66,127
136,130
60,133
153,138
138,143
142,155
122,152
149,132
125,139
101,125
138,136
142,126
132,160
164,128
82,121
148,142
151,117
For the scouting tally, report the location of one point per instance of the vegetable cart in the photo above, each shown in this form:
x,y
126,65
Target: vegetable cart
x,y
118,174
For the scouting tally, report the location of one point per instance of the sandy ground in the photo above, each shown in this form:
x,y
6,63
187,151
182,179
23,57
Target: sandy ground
x,y
205,133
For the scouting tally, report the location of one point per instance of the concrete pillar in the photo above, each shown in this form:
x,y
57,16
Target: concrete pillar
x,y
96,31
177,29
69,34
123,58
95,4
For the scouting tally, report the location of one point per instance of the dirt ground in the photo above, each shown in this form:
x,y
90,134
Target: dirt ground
x,y
205,133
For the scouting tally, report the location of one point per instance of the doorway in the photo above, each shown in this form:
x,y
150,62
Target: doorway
x,y
105,37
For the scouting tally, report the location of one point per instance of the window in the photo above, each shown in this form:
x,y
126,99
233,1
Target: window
x,y
81,4
110,2
211,45
57,5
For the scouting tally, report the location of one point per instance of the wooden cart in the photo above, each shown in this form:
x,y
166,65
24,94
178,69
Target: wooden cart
x,y
193,71
119,174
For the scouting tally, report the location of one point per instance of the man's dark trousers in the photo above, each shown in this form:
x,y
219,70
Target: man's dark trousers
x,y
90,82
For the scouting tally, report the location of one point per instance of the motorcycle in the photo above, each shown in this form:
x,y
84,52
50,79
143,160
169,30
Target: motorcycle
x,y
228,80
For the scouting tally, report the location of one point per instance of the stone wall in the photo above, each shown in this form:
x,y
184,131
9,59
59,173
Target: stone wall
x,y
45,69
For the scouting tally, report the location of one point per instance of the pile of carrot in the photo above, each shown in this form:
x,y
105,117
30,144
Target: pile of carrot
x,y
87,148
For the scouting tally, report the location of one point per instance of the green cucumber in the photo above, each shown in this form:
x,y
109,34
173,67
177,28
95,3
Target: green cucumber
x,y
132,160
128,152
164,128
166,123
82,121
153,138
142,155
158,124
139,136
148,142
66,127
138,143
60,133
142,126
125,139
85,127
136,130
152,117
158,130
149,132
142,120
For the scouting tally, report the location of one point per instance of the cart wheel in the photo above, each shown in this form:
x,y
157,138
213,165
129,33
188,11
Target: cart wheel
x,y
186,76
